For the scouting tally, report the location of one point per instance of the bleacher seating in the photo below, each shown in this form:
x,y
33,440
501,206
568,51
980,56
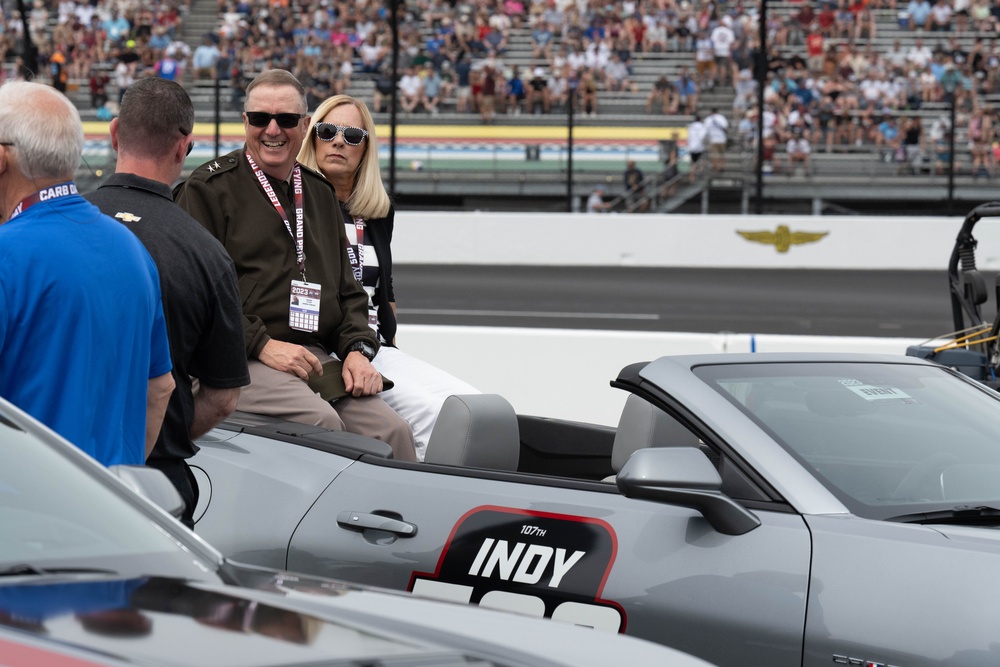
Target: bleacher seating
x,y
626,107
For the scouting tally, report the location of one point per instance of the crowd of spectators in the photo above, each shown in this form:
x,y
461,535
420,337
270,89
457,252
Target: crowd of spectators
x,y
96,42
832,84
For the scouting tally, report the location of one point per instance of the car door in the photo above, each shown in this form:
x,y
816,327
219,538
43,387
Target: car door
x,y
572,550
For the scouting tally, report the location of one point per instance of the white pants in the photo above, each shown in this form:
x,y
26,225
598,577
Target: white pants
x,y
419,391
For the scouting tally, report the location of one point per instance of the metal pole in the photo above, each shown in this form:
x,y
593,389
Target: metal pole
x,y
951,153
761,71
394,24
218,113
570,100
30,50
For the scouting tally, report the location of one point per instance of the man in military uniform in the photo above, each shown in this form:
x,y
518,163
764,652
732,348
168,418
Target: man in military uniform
x,y
282,226
201,302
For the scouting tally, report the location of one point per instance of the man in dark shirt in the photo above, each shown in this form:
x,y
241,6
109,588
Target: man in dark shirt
x,y
201,301
635,188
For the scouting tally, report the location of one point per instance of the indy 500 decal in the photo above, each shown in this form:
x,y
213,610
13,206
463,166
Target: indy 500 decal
x,y
535,563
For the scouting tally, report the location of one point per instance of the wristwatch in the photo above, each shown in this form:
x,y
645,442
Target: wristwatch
x,y
364,348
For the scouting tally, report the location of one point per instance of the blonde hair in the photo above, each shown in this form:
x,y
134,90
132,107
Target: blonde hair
x,y
369,199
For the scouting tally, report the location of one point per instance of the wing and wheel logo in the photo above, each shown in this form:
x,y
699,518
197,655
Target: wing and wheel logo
x,y
782,238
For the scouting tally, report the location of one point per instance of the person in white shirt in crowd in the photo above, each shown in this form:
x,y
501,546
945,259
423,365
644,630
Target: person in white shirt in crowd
x,y
595,202
616,75
696,135
597,56
895,57
798,150
717,127
656,37
411,89
919,56
941,15
704,60
558,87
576,60
722,37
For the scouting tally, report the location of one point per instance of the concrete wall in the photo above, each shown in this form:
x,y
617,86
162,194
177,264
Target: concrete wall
x,y
848,242
556,372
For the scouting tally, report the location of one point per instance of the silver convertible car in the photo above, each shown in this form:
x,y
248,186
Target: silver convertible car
x,y
91,574
759,509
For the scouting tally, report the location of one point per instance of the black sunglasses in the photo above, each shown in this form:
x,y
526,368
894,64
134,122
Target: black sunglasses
x,y
329,131
262,119
190,145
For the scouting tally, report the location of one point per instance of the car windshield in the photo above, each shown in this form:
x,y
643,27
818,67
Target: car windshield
x,y
885,438
56,518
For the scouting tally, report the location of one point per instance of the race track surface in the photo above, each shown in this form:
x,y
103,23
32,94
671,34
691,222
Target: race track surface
x,y
795,302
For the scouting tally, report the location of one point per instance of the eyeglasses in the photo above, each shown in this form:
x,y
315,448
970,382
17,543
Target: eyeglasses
x,y
352,135
7,143
284,120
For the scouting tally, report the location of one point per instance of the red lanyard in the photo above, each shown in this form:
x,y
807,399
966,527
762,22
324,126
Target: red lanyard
x,y
48,194
298,234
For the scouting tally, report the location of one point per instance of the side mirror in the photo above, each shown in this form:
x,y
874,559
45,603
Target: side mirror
x,y
152,485
684,476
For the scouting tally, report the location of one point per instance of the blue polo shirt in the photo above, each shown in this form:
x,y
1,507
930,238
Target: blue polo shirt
x,y
81,326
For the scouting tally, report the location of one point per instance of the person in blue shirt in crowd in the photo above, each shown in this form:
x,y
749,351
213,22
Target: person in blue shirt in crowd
x,y
515,92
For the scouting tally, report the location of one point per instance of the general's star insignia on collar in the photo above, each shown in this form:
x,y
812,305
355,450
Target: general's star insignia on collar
x,y
214,166
128,217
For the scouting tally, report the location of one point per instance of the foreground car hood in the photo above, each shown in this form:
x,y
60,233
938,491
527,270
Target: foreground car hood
x,y
278,618
166,621
987,536
903,594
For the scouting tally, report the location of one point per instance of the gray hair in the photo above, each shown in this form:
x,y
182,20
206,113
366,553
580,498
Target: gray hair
x,y
44,127
276,78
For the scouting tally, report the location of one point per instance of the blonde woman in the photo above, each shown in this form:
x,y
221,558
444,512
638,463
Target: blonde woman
x,y
341,144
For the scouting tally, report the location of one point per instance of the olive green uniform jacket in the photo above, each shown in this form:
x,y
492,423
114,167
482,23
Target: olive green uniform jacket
x,y
225,196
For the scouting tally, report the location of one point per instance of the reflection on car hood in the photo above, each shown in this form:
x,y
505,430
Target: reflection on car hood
x,y
167,621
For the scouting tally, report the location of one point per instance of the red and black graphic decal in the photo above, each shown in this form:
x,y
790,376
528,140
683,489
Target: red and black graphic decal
x,y
537,563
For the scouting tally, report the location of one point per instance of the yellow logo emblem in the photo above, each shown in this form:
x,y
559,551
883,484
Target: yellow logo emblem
x,y
782,238
127,217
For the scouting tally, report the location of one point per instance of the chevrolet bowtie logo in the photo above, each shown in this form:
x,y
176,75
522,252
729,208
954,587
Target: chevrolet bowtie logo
x,y
782,238
128,217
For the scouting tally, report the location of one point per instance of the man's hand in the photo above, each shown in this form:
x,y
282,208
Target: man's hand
x,y
291,358
360,377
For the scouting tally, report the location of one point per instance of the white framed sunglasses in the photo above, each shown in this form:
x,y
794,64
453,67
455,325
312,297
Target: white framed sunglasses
x,y
352,135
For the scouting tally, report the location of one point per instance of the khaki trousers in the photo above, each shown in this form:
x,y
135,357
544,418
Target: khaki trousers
x,y
284,395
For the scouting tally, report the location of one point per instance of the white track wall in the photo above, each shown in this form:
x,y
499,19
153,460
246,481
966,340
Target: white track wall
x,y
557,372
707,241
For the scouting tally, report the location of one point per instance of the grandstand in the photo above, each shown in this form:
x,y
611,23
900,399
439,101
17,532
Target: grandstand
x,y
452,159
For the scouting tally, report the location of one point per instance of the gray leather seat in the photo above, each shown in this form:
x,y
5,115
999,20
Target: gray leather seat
x,y
642,425
475,431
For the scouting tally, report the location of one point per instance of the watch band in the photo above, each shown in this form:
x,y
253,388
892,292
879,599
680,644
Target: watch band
x,y
364,348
